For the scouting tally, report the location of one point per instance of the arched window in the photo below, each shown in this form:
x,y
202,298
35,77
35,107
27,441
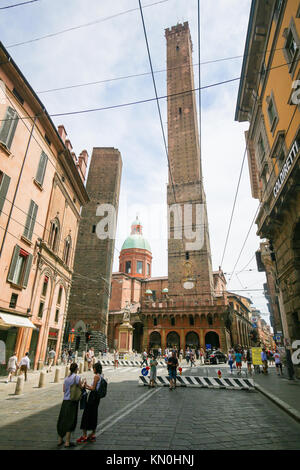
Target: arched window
x,y
67,249
54,235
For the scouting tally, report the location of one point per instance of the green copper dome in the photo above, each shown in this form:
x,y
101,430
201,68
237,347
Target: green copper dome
x,y
136,241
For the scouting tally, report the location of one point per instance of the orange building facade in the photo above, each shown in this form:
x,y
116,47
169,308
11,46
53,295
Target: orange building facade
x,y
41,194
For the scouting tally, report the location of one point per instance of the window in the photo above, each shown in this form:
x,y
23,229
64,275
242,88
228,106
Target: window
x,y
154,321
279,147
187,256
56,315
20,267
41,310
261,147
128,267
45,286
94,229
30,221
54,235
172,321
59,295
148,269
272,112
291,46
4,184
67,250
139,267
13,301
192,320
154,295
40,175
9,126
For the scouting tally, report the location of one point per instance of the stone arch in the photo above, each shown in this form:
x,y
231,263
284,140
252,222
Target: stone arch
x,y
213,339
154,340
192,340
173,340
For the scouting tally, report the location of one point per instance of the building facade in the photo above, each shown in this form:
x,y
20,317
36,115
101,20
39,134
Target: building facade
x,y
41,194
269,100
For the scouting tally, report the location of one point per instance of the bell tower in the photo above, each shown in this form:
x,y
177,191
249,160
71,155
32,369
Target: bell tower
x,y
189,256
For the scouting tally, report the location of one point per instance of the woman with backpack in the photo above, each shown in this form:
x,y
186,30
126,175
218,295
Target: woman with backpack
x,y
67,419
89,418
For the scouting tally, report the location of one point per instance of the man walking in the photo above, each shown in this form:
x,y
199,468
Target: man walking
x,y
172,369
25,365
145,357
278,363
264,359
51,357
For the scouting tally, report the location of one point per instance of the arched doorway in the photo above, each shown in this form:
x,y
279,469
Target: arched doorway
x,y
154,341
192,340
173,340
212,338
137,340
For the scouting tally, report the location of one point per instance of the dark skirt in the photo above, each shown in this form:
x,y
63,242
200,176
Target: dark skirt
x,y
89,418
67,419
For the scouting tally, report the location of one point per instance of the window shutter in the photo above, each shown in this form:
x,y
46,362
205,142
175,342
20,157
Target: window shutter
x,y
9,126
13,263
3,190
30,222
27,270
41,168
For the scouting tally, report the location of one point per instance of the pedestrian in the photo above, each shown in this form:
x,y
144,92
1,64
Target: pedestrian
x,y
145,358
197,354
51,357
230,360
89,418
12,367
181,355
249,361
192,359
70,356
264,360
187,356
64,357
278,363
270,357
202,354
25,365
172,369
67,419
116,358
159,352
238,361
153,370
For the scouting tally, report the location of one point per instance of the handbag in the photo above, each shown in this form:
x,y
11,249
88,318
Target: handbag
x,y
75,392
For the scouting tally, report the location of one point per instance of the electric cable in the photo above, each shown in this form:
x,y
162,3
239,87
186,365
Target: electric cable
x,y
18,4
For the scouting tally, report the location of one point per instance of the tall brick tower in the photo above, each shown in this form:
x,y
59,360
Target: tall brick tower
x,y
189,264
89,296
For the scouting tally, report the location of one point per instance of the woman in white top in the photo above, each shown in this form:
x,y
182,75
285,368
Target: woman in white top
x,y
12,366
67,419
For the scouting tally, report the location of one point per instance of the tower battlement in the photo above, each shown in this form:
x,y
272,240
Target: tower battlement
x,y
177,29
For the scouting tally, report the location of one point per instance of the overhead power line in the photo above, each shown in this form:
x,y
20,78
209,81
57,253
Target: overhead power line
x,y
85,25
18,4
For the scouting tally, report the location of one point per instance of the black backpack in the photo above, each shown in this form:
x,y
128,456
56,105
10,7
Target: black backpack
x,y
102,390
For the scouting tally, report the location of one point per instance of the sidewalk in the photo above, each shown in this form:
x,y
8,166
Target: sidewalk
x,y
282,391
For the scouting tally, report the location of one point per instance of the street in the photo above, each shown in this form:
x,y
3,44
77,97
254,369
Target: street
x,y
134,417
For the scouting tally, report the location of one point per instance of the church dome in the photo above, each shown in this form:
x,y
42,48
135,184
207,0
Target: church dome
x,y
136,239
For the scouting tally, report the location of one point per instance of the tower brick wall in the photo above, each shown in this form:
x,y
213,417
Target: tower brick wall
x,y
89,297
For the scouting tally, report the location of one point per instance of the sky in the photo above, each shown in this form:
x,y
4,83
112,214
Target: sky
x,y
114,46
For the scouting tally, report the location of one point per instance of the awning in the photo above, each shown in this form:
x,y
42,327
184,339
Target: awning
x,y
15,320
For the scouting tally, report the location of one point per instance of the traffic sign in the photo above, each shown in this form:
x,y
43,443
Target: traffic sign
x,y
144,372
208,346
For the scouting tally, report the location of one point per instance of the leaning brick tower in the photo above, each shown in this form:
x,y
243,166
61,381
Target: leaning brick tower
x,y
90,292
189,258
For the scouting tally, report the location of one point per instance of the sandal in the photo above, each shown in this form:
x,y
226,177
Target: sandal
x,y
81,440
92,438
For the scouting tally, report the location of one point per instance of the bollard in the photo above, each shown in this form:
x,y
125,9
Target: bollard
x,y
19,386
42,379
81,368
57,376
67,371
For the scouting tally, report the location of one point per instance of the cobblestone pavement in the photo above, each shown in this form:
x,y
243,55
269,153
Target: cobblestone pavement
x,y
133,417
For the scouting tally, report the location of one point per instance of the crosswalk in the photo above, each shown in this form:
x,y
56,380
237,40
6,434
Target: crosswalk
x,y
229,383
124,363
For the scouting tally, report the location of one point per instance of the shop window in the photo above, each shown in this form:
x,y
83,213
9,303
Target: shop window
x,y
13,301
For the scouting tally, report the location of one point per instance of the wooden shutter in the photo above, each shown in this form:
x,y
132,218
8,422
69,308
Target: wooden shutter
x,y
13,263
30,221
27,270
41,168
3,190
9,126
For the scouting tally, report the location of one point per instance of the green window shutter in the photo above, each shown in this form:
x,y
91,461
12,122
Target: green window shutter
x,y
9,126
3,190
13,263
41,168
27,270
30,221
